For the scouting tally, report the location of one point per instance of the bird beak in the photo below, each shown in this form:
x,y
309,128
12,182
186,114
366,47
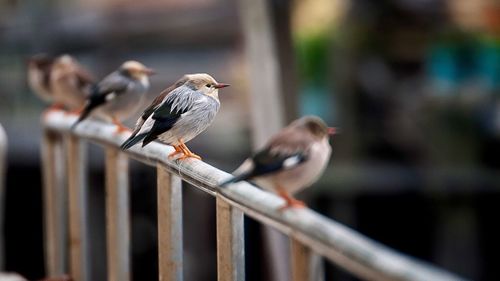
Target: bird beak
x,y
221,85
332,131
148,71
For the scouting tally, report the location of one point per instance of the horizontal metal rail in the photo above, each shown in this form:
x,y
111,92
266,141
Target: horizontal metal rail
x,y
309,231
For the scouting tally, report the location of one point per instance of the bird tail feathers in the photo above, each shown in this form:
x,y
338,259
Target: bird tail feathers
x,y
237,178
83,115
244,172
132,140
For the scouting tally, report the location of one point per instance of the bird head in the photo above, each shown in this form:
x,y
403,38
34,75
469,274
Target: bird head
x,y
40,61
204,83
316,126
65,63
136,70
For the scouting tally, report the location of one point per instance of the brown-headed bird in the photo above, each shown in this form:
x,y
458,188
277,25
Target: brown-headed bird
x,y
179,114
70,83
39,69
118,95
292,160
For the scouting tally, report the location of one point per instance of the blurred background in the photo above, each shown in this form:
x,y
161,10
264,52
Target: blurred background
x,y
413,85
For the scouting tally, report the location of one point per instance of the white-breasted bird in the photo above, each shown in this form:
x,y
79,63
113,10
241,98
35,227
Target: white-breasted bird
x,y
292,160
39,68
118,95
70,83
179,114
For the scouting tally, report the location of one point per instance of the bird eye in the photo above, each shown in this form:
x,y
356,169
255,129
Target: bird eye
x,y
208,85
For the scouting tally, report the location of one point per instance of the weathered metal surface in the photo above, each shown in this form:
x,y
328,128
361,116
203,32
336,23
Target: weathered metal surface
x,y
230,242
347,248
77,202
55,204
3,167
170,239
117,215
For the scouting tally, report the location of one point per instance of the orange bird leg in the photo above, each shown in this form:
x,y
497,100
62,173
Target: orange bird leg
x,y
120,127
76,111
56,106
290,201
177,151
187,152
53,107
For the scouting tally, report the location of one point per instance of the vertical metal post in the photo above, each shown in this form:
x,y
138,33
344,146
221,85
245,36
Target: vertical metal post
x,y
3,167
170,240
305,264
230,242
117,215
55,197
77,201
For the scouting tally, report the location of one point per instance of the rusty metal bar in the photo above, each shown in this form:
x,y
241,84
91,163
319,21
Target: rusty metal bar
x,y
77,200
230,242
170,239
117,215
55,199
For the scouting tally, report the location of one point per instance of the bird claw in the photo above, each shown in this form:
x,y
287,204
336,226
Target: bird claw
x,y
192,155
121,129
295,204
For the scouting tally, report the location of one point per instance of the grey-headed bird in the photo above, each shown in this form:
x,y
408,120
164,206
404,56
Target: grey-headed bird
x,y
179,114
70,83
292,160
118,95
39,69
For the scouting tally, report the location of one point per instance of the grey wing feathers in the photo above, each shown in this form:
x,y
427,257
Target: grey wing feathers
x,y
165,115
115,82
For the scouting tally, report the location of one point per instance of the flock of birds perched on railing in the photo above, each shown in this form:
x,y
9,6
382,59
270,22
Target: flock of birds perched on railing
x,y
292,160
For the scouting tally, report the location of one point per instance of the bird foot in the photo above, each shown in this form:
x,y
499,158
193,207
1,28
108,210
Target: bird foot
x,y
53,107
75,112
178,150
189,155
121,129
294,204
290,201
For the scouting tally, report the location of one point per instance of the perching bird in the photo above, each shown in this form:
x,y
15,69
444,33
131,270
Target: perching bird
x,y
70,83
292,160
179,114
118,95
39,69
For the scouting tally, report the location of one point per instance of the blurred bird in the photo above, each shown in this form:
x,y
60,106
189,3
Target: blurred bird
x,y
292,160
179,114
39,69
118,95
70,83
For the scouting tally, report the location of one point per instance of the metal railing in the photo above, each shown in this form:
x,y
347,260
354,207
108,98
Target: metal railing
x,y
3,168
310,233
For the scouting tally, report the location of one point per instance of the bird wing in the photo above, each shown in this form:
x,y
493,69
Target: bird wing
x,y
155,104
115,83
286,150
176,103
111,86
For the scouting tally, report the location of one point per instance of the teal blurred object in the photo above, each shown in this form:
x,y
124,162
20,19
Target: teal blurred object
x,y
313,60
315,100
488,63
443,67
